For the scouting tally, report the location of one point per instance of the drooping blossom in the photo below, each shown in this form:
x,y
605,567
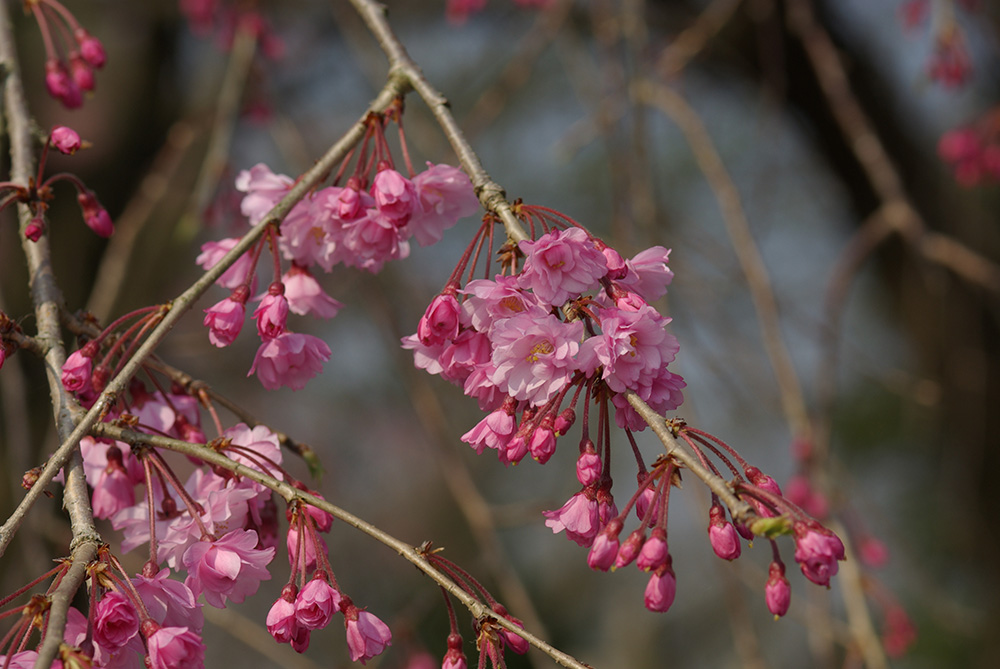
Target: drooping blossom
x,y
495,430
66,140
654,553
305,296
534,358
722,534
290,359
116,621
77,369
395,196
94,215
605,548
175,648
661,589
224,319
316,603
168,601
281,621
367,635
445,195
578,516
817,550
777,592
440,321
263,190
272,313
228,568
560,265
236,275
648,274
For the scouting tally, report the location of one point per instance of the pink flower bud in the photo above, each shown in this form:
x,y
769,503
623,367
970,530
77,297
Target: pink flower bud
x,y
564,421
81,72
65,140
173,647
34,229
654,553
777,592
605,549
661,589
316,603
722,535
61,86
115,622
367,636
224,320
817,550
543,441
94,215
281,621
272,313
629,550
588,466
517,643
76,370
440,322
90,48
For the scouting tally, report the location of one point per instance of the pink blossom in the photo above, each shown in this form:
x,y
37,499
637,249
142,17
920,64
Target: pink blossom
x,y
495,430
228,568
661,589
169,602
236,275
492,301
515,642
372,240
115,621
578,516
65,140
722,534
310,235
440,321
32,231
305,296
81,72
261,443
543,441
777,592
281,621
395,196
662,394
272,314
77,370
224,319
367,636
175,648
648,273
534,357
114,489
446,195
643,503
263,190
25,659
316,603
306,556
633,347
290,359
564,421
560,265
817,550
94,215
872,552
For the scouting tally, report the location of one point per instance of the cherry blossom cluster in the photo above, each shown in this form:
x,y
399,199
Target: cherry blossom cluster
x,y
71,53
363,224
569,318
973,151
949,63
39,192
459,11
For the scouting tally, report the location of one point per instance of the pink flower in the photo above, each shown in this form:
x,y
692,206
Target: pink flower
x,y
588,466
316,603
281,621
633,348
227,568
169,602
578,516
263,190
90,48
492,301
94,215
306,556
310,235
722,534
77,369
81,72
543,441
648,273
272,313
367,636
175,648
224,319
495,430
817,550
236,275
445,195
305,296
560,265
372,239
115,621
257,445
65,140
777,592
440,321
395,196
534,357
661,589
629,550
114,489
290,359
662,394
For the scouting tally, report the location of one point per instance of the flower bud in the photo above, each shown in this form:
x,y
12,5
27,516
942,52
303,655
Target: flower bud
x,y
66,140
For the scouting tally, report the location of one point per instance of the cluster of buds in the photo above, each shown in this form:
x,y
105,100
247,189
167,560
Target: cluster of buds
x,y
71,53
949,64
974,150
569,318
38,193
365,223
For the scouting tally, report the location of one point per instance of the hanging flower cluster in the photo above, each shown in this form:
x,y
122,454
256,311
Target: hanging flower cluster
x,y
362,224
949,64
569,318
71,53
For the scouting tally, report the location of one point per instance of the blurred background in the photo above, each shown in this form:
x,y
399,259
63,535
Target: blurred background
x,y
890,319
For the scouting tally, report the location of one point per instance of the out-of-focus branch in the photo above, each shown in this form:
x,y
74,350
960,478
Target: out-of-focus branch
x,y
290,493
738,229
47,300
693,39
